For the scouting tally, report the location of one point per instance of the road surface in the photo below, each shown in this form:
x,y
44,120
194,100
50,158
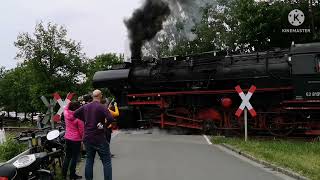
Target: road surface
x,y
158,156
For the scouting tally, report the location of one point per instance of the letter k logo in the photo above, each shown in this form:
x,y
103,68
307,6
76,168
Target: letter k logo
x,y
296,17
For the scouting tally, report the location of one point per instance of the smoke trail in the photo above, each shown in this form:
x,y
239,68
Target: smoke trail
x,y
148,20
145,23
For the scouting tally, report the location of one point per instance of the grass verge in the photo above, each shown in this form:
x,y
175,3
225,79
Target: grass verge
x,y
301,157
10,149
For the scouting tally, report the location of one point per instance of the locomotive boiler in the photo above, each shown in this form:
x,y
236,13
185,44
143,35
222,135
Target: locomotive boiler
x,y
198,91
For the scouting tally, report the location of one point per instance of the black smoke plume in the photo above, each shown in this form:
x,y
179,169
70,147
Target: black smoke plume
x,y
145,23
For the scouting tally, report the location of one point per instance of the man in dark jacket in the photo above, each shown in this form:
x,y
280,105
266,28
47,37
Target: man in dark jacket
x,y
94,137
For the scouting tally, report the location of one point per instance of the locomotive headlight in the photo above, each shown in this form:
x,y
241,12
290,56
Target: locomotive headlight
x,y
24,161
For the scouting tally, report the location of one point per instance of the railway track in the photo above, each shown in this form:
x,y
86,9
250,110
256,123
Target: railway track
x,y
19,128
14,131
181,131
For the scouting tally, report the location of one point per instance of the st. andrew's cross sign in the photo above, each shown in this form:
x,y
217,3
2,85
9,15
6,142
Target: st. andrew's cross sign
x,y
62,104
245,101
245,105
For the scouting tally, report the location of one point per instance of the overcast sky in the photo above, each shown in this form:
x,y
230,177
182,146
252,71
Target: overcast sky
x,y
98,24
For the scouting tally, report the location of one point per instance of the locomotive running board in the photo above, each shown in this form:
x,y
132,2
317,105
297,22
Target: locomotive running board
x,y
228,91
313,132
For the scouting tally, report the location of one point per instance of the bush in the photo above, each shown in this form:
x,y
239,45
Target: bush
x,y
10,149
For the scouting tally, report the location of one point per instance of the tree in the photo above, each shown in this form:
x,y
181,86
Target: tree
x,y
239,26
2,72
55,62
100,63
14,90
103,62
257,25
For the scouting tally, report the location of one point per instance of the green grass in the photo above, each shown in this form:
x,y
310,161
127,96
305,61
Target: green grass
x,y
10,149
58,175
301,157
28,124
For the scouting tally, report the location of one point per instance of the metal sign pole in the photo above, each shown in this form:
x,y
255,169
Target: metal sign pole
x,y
52,103
245,124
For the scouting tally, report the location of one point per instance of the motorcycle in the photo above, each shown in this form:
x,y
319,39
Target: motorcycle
x,y
41,163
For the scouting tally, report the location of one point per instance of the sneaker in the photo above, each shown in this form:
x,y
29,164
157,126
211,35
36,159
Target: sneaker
x,y
75,177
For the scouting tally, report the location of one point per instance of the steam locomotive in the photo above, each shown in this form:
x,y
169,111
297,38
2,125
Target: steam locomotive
x,y
198,91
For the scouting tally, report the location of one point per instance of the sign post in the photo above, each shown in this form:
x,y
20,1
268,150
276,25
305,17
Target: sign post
x,y
49,114
245,124
245,106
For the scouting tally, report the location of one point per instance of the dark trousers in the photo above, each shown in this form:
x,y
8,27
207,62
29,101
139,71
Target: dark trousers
x,y
103,150
72,153
108,134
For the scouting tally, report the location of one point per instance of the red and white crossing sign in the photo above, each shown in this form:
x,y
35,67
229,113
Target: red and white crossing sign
x,y
245,101
62,104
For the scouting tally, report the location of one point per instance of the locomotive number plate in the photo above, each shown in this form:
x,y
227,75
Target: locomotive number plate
x,y
313,94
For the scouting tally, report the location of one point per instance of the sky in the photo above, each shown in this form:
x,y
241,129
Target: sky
x,y
97,24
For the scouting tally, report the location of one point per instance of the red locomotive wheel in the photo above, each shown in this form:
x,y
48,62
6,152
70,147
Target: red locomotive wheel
x,y
279,124
209,127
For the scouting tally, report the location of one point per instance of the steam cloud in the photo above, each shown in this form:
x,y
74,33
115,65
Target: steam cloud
x,y
189,13
148,20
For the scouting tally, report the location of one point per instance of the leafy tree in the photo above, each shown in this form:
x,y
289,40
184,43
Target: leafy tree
x,y
257,25
14,90
240,26
55,62
100,63
2,72
103,62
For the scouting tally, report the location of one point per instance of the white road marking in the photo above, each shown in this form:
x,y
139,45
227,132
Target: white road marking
x,y
207,139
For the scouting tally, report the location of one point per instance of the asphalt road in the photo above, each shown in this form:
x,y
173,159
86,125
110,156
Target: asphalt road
x,y
158,156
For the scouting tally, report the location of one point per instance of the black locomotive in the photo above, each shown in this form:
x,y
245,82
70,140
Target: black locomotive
x,y
198,91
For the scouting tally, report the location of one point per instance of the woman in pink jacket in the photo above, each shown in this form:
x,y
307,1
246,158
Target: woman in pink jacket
x,y
73,136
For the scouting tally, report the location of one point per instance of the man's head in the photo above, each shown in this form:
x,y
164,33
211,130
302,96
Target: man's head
x,y
97,95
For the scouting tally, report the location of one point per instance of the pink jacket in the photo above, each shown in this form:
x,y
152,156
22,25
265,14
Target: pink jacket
x,y
74,127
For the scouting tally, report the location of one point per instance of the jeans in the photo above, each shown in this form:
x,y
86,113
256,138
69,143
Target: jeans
x,y
72,153
104,153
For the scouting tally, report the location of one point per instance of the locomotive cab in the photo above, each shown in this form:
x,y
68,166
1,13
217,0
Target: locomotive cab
x,y
305,59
